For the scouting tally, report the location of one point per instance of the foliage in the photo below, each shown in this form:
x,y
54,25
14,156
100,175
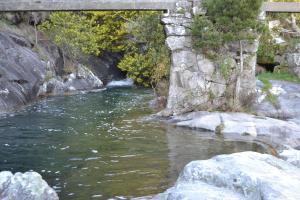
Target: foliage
x,y
72,33
266,88
267,49
284,76
226,21
226,67
147,60
138,35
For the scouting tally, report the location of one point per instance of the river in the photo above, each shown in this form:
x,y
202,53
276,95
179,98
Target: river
x,y
99,145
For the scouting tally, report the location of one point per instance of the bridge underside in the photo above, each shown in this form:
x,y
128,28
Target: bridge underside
x,y
75,5
285,7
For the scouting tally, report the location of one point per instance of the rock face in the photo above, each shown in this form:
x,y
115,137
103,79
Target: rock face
x,y
293,60
24,76
240,176
288,98
21,72
84,79
29,71
29,185
197,82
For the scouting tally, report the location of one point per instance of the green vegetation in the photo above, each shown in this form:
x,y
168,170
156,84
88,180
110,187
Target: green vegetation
x,y
138,35
267,87
226,67
152,65
284,76
226,21
267,49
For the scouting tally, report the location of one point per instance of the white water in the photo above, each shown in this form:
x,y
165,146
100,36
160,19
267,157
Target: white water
x,y
128,82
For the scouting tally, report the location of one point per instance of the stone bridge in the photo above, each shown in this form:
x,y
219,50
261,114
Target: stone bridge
x,y
196,82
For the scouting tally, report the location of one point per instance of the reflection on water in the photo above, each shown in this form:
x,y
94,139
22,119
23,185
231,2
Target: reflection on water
x,y
96,145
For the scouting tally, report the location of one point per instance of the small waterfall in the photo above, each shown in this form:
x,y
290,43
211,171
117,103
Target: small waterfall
x,y
128,82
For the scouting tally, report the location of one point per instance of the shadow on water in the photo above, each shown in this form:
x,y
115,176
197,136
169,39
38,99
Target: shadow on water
x,y
96,145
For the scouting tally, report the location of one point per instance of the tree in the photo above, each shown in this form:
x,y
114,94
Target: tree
x,y
226,21
147,58
138,35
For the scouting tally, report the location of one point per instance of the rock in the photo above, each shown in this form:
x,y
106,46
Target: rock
x,y
199,82
201,121
21,72
272,131
288,98
178,42
246,175
293,60
176,30
105,67
291,155
259,70
29,185
84,80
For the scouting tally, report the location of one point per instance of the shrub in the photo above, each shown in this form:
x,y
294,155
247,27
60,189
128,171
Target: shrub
x,y
226,21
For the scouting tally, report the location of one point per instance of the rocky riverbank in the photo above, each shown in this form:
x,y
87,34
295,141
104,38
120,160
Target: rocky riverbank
x,y
31,69
246,175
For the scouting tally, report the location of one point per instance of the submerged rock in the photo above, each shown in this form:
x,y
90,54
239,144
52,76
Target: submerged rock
x,y
27,186
246,175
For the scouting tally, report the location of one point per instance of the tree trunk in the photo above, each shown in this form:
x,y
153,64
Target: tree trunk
x,y
238,82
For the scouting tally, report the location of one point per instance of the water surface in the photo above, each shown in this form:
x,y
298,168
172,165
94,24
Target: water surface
x,y
97,145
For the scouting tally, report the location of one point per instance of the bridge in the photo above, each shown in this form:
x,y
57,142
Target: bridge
x,y
74,5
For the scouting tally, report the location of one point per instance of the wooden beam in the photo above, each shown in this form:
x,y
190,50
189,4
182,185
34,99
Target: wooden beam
x,y
74,5
284,7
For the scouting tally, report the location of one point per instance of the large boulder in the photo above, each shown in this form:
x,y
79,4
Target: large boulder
x,y
21,72
288,97
105,66
27,186
241,176
84,79
236,125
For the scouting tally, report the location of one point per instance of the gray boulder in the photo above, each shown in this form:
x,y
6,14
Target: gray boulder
x,y
21,72
242,176
235,125
293,60
27,186
288,98
290,155
84,79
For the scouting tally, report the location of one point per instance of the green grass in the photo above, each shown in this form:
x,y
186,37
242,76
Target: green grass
x,y
283,76
266,77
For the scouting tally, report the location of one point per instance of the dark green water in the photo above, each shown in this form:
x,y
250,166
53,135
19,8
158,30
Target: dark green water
x,y
97,146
